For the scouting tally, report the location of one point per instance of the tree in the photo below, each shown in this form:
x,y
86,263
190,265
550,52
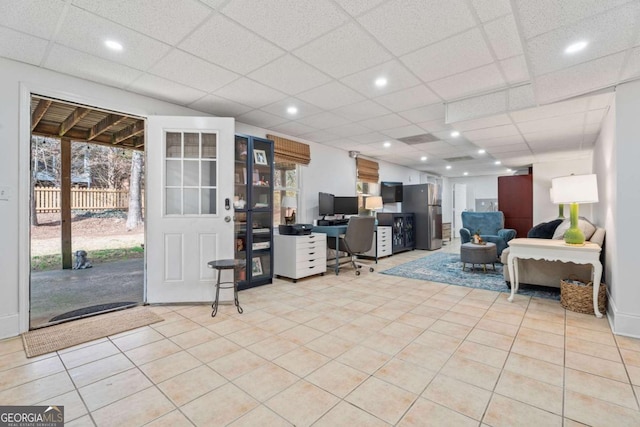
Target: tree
x,y
134,216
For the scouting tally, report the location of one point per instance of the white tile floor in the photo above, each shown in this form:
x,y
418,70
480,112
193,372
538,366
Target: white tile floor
x,y
374,350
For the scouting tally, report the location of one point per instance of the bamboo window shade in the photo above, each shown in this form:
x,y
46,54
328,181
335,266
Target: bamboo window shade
x,y
367,170
287,151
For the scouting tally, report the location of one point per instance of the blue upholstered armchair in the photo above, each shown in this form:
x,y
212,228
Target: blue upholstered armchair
x,y
491,228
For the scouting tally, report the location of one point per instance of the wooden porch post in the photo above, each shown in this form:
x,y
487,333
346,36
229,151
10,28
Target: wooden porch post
x,y
65,202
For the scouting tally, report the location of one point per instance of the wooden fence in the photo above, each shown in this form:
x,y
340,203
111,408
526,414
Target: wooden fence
x,y
89,199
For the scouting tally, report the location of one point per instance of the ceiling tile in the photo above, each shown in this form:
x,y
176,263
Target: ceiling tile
x,y
477,106
486,122
369,138
503,36
601,100
595,116
35,17
569,121
502,140
357,7
220,106
389,121
214,4
494,132
421,114
287,23
323,120
491,9
192,71
261,119
632,69
293,128
331,96
320,136
390,22
151,17
89,67
508,148
280,109
398,77
606,33
289,75
541,16
579,79
521,97
404,131
515,69
554,137
157,87
250,93
22,47
469,83
349,130
86,32
434,125
551,110
361,111
343,51
342,143
230,39
451,56
407,99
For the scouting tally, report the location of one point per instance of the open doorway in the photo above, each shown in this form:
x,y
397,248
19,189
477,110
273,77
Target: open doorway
x,y
87,198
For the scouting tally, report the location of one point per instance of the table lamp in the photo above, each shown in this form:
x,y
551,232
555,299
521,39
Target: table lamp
x,y
560,205
289,202
574,189
372,203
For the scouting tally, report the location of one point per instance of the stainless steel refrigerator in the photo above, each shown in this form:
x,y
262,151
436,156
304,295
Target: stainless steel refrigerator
x,y
425,201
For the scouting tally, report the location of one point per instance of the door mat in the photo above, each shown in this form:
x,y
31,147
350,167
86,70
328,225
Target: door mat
x,y
58,337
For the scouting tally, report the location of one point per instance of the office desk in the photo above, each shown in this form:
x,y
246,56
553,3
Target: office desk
x,y
332,231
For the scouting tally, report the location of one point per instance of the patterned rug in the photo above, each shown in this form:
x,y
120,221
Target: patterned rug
x,y
447,268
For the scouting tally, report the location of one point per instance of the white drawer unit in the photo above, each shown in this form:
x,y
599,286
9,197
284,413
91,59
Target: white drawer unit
x,y
296,257
382,244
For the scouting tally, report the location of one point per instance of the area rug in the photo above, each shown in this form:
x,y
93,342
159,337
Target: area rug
x,y
58,337
447,268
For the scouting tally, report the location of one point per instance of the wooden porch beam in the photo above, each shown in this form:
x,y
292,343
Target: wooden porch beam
x,y
65,202
77,115
104,125
39,112
128,132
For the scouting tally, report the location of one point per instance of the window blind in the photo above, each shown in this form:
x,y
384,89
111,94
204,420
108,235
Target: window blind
x,y
288,151
367,170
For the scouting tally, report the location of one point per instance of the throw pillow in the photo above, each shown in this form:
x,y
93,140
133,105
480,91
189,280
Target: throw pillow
x,y
544,230
583,224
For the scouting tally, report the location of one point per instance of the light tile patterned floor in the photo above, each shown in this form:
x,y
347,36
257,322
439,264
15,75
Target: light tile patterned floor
x,y
373,350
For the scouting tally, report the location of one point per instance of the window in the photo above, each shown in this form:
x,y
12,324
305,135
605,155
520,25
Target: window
x,y
191,173
286,183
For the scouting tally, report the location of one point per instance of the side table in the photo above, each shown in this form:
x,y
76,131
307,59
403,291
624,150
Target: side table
x,y
226,264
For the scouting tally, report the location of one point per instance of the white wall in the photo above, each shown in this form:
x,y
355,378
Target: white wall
x,y
478,187
616,157
543,172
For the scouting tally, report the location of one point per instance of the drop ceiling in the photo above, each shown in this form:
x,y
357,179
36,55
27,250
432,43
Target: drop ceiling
x,y
494,70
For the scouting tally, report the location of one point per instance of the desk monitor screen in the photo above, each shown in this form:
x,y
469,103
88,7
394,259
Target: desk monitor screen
x,y
325,204
346,205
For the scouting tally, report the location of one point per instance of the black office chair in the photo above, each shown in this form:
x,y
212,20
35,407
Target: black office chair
x,y
357,240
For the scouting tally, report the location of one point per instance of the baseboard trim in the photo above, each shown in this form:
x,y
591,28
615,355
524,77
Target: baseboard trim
x,y
9,326
624,324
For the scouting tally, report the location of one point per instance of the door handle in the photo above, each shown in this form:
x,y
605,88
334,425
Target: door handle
x,y
227,218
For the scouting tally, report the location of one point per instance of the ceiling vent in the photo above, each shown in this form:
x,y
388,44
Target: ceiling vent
x,y
458,159
419,139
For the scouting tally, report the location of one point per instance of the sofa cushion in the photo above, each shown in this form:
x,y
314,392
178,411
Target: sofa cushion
x,y
544,230
583,224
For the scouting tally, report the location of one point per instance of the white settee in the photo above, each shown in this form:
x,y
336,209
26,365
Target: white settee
x,y
550,273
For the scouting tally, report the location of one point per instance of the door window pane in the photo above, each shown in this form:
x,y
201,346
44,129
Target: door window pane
x,y
191,201
174,174
191,173
191,145
174,144
209,146
173,201
209,170
208,201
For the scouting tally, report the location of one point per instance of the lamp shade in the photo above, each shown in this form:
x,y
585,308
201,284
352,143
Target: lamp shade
x,y
373,202
574,189
289,202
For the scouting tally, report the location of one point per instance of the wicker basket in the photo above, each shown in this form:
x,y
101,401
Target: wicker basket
x,y
579,298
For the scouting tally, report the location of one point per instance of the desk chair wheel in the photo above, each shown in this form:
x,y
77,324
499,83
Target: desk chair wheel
x,y
370,269
357,272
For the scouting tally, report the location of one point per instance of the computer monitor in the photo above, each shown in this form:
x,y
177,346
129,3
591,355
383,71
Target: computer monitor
x,y
345,205
325,204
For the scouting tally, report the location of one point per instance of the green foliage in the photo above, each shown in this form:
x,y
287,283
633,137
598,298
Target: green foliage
x,y
54,262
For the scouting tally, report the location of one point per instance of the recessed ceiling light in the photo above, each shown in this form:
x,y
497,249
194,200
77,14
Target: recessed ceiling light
x,y
113,45
497,162
455,134
481,151
448,166
387,144
509,170
423,158
381,82
466,173
576,47
292,110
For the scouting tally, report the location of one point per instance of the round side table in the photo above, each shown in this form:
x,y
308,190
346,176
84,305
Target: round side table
x,y
226,264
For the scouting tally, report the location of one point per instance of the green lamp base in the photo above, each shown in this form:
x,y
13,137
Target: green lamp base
x,y
574,236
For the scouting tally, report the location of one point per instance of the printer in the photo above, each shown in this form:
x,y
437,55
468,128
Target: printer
x,y
295,229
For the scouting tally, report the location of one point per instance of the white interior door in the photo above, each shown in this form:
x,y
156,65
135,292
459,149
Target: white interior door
x,y
459,205
189,183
